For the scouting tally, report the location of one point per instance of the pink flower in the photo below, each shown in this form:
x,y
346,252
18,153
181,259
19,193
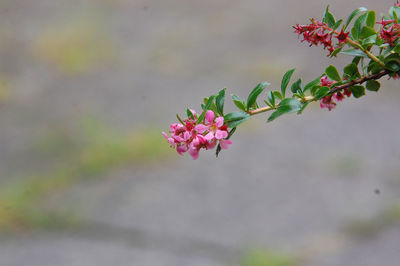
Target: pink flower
x,y
325,82
225,143
339,96
327,102
217,129
191,137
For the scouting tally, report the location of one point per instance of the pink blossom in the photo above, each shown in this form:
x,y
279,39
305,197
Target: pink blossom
x,y
325,82
327,102
216,129
225,143
191,137
339,96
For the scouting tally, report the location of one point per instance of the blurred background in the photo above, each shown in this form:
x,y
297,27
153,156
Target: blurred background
x,y
86,178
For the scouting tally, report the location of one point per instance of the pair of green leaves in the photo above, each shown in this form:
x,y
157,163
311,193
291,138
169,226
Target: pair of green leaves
x,y
359,90
364,26
251,99
286,106
330,19
236,118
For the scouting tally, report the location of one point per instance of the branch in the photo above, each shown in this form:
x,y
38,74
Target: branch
x,y
360,81
333,90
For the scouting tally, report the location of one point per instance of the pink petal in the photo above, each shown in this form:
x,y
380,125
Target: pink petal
x,y
173,127
194,153
171,141
186,135
181,149
165,135
195,143
211,145
200,128
209,136
177,138
219,121
220,134
225,143
210,116
202,139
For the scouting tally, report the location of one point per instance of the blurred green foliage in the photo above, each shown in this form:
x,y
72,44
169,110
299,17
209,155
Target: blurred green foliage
x,y
260,257
102,150
75,47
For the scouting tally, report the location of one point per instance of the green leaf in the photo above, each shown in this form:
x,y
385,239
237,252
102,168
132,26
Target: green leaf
x,y
251,100
374,67
332,73
269,104
312,84
371,17
358,26
329,18
367,32
393,66
337,24
321,92
371,40
356,60
303,107
353,15
297,86
354,52
278,95
189,114
206,107
396,49
394,12
271,99
392,62
236,118
373,85
285,81
239,102
286,106
219,101
351,72
336,51
357,90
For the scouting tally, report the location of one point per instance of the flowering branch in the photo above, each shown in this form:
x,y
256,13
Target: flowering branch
x,y
332,91
213,128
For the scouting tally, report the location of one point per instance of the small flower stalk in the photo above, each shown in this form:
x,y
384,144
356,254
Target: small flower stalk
x,y
374,52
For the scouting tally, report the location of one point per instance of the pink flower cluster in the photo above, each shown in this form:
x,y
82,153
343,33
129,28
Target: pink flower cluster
x,y
189,137
328,101
319,33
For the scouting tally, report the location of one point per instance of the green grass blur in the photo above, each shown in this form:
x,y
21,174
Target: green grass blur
x,y
102,151
259,257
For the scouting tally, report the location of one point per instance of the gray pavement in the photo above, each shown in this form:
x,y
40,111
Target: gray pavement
x,y
294,185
